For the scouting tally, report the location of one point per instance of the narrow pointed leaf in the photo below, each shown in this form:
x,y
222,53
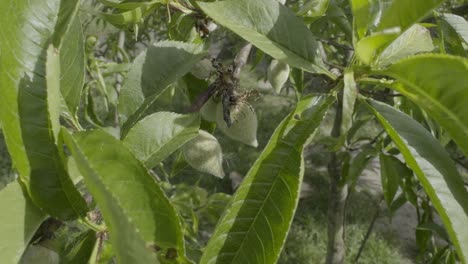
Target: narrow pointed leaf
x,y
81,249
20,220
30,103
369,47
391,172
450,41
433,167
72,67
438,84
151,73
358,164
158,135
415,40
458,23
139,216
313,8
404,13
258,217
361,16
349,98
271,27
129,5
126,18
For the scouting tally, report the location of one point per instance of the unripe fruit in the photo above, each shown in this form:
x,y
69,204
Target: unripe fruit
x,y
278,74
91,41
208,110
204,154
244,123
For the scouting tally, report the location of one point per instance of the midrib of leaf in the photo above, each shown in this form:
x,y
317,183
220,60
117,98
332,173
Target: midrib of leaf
x,y
114,204
285,145
166,146
284,49
110,195
138,114
260,211
250,29
442,208
432,100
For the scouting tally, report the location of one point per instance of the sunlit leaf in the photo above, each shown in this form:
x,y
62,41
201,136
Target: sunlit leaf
x,y
126,5
72,67
369,47
30,103
271,27
416,39
151,73
313,8
361,16
139,216
404,13
158,135
438,84
20,220
257,220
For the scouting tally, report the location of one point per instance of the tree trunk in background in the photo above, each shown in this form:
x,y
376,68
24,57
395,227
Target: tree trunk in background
x,y
336,215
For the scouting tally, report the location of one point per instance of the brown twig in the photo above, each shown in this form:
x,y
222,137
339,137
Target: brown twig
x,y
241,58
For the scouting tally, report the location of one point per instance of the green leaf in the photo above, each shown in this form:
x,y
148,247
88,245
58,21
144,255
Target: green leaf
x,y
369,47
313,8
129,5
72,65
434,228
20,220
361,17
438,84
391,172
30,103
358,164
271,27
67,14
414,40
129,16
349,98
151,73
80,251
53,89
296,77
254,226
450,41
433,167
139,216
458,23
158,135
403,13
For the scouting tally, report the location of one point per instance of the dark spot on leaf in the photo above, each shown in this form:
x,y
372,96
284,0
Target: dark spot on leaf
x,y
171,253
154,248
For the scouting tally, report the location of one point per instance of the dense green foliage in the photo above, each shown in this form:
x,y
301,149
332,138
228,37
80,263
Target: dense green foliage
x,y
114,122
